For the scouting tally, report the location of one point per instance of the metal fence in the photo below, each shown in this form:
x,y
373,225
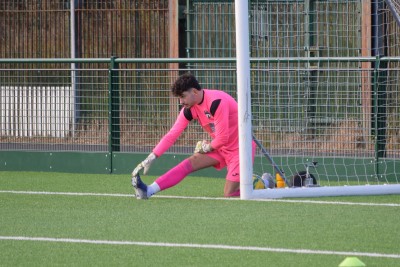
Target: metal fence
x,y
84,29
51,109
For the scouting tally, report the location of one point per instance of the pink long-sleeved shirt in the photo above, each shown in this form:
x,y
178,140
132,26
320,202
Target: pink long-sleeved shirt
x,y
217,114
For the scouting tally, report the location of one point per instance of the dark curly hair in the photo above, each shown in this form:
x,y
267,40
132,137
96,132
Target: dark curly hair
x,y
184,83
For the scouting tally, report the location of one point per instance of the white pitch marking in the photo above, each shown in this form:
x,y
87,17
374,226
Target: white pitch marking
x,y
202,198
201,246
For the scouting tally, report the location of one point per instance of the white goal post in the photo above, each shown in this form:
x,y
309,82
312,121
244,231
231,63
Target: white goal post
x,y
245,131
244,98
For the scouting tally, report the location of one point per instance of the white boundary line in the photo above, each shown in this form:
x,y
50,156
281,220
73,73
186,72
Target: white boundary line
x,y
201,198
199,246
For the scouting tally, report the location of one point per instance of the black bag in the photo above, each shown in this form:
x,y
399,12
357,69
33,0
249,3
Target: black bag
x,y
300,179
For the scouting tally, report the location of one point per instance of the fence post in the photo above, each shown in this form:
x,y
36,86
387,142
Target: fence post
x,y
312,69
366,75
73,64
113,110
173,53
380,82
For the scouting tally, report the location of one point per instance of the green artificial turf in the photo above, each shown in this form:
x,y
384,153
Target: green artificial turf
x,y
211,221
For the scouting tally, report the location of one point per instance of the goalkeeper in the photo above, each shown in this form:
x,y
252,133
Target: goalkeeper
x,y
217,113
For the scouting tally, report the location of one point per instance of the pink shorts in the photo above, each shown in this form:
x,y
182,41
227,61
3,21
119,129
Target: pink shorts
x,y
230,160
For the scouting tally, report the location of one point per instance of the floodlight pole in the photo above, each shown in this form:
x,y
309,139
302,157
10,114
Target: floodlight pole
x,y
244,97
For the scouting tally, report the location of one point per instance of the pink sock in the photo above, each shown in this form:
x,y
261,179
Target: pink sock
x,y
175,175
234,194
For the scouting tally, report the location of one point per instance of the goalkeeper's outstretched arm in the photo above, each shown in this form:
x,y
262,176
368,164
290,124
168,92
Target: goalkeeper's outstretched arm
x,y
165,143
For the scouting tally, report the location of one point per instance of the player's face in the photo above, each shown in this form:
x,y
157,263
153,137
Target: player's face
x,y
189,98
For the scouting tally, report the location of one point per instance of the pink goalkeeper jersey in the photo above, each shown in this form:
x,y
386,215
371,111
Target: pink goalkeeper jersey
x,y
217,114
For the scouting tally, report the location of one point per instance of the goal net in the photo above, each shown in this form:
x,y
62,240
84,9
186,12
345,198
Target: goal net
x,y
324,79
325,96
394,6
